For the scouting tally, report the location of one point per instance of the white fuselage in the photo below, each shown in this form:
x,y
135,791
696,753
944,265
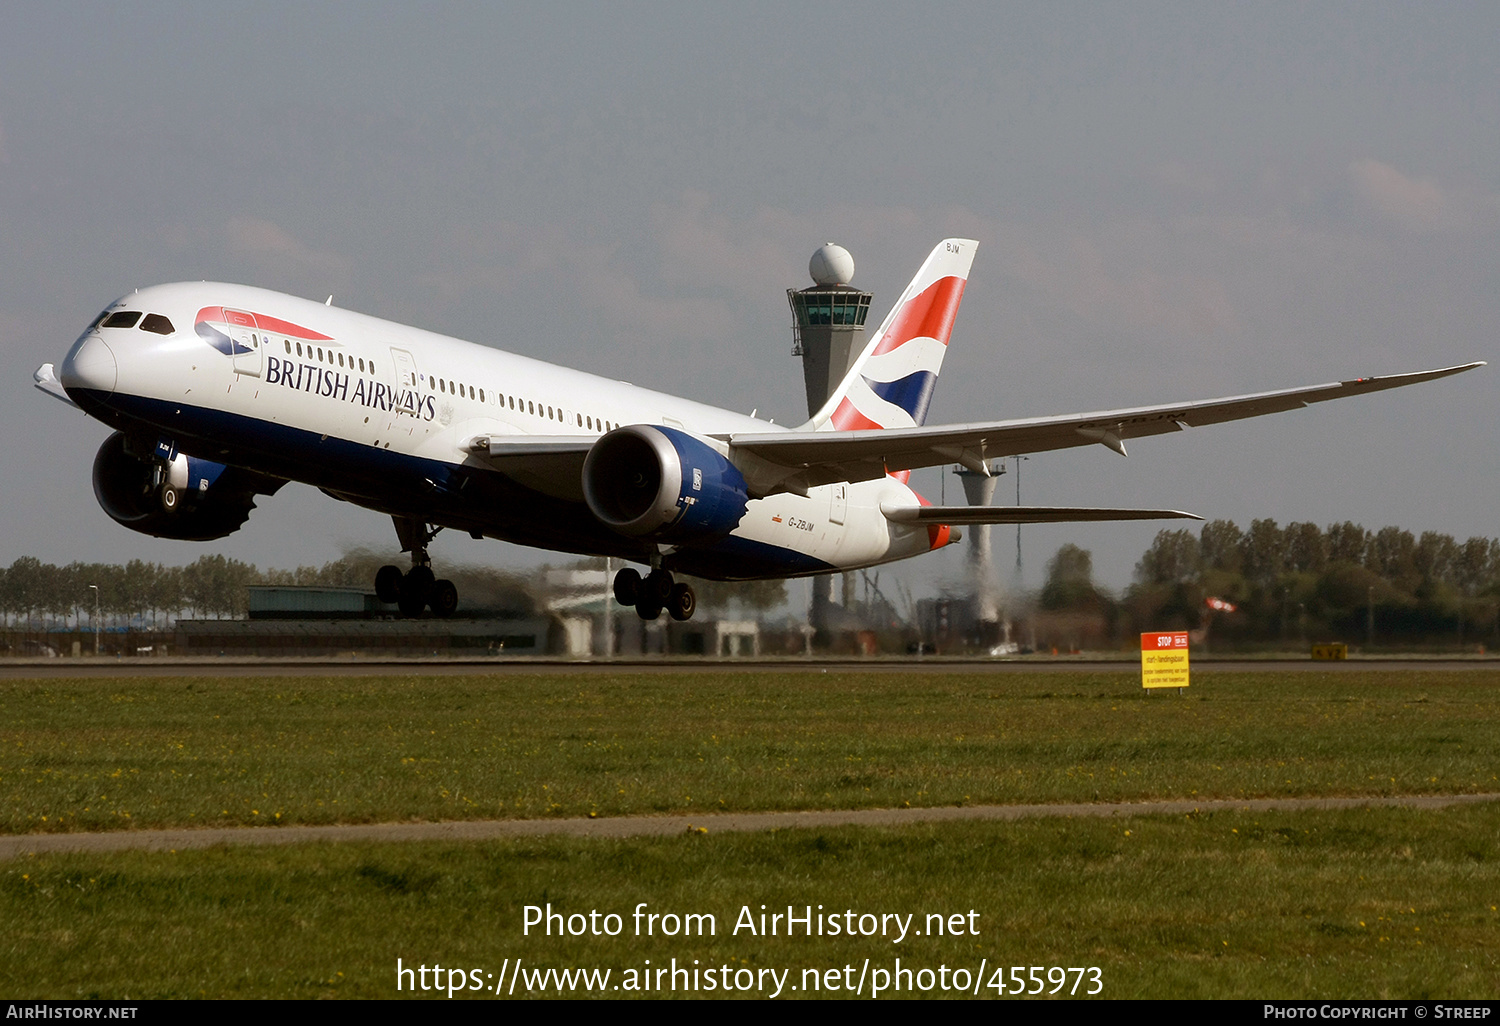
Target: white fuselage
x,y
387,416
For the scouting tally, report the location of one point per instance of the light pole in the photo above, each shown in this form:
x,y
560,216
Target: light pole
x,y
1018,460
609,610
95,589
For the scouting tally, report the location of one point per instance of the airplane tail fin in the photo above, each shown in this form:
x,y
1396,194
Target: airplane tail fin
x,y
891,383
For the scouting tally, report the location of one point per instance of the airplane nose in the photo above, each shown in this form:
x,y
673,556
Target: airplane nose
x,y
90,365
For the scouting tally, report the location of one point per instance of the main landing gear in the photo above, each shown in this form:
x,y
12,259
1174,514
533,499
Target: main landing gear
x,y
653,593
418,588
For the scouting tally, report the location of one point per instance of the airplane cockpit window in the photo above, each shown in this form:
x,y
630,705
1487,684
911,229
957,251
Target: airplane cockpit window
x,y
158,324
122,319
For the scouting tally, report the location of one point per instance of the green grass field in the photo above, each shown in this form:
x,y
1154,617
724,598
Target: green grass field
x,y
121,754
1356,903
1381,903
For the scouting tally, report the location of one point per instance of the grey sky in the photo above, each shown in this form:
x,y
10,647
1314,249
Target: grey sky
x,y
1172,202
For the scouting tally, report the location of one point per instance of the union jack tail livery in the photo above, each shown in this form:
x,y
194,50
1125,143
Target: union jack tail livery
x,y
890,385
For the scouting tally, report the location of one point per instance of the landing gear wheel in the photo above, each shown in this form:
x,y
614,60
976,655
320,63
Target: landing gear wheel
x,y
444,599
416,587
388,583
627,586
683,602
410,605
171,498
657,587
418,583
647,609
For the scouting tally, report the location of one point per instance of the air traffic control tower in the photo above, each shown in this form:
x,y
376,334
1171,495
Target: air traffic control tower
x,y
979,489
828,332
828,323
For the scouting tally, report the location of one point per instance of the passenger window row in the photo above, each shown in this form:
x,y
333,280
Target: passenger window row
x,y
535,409
331,357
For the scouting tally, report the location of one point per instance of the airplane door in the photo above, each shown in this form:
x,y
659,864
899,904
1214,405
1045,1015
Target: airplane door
x,y
839,503
247,340
406,381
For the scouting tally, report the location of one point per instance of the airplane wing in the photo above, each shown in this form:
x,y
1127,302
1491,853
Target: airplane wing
x,y
1022,514
551,464
795,461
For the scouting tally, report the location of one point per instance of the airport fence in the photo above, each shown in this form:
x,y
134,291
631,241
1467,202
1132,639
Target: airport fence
x,y
66,643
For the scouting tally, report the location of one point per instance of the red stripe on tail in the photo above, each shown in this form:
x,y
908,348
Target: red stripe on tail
x,y
927,315
847,418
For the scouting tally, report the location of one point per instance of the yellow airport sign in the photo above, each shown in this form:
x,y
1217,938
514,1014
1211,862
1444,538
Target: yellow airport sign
x,y
1164,659
1331,650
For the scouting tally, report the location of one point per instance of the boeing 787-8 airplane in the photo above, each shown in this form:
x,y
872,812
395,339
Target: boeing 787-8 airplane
x,y
219,393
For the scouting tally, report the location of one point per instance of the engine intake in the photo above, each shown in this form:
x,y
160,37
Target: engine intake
x,y
663,484
184,498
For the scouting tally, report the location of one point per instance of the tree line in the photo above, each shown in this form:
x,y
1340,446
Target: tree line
x,y
137,592
1298,582
1294,582
36,594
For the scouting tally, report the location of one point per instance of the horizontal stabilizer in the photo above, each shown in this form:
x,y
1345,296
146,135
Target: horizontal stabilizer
x,y
45,378
1022,514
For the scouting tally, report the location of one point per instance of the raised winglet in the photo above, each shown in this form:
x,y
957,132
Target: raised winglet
x,y
45,378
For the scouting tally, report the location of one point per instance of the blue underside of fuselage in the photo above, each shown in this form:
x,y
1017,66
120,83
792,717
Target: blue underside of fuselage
x,y
461,497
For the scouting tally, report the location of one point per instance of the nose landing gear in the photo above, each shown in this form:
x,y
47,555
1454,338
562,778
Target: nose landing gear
x,y
653,593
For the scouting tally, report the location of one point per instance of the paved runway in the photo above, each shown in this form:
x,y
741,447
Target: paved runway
x,y
660,826
23,669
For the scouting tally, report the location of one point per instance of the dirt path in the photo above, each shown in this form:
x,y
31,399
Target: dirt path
x,y
657,826
53,669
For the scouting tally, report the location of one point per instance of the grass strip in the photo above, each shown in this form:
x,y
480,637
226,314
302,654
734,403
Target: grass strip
x,y
1367,903
91,754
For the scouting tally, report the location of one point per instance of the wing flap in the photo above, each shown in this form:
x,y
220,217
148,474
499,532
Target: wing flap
x,y
550,464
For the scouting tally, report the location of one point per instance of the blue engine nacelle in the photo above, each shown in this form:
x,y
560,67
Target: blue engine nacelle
x,y
663,484
168,494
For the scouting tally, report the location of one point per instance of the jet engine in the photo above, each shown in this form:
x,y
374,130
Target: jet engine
x,y
171,494
663,484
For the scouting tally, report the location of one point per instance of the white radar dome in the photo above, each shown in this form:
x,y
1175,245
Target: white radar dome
x,y
831,265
